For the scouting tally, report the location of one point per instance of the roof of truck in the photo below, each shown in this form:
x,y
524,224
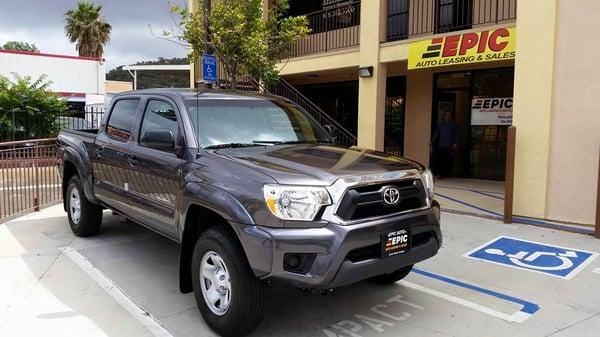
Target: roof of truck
x,y
189,93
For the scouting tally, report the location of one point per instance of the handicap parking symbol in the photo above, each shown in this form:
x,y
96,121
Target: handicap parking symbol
x,y
533,256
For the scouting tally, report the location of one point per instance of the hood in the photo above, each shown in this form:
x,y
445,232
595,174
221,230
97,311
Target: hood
x,y
306,164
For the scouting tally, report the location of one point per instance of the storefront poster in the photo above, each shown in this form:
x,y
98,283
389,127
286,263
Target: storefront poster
x,y
472,47
492,111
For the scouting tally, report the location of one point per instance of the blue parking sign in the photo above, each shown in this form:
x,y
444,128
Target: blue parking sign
x,y
533,256
209,68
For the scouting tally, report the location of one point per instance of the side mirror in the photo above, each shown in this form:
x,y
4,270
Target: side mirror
x,y
160,139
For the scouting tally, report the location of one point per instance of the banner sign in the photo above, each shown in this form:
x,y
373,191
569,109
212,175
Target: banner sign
x,y
473,47
492,111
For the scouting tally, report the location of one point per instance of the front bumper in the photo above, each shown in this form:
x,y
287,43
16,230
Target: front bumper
x,y
344,253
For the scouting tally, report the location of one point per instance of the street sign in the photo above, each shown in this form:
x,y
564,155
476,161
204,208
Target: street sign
x,y
537,257
209,68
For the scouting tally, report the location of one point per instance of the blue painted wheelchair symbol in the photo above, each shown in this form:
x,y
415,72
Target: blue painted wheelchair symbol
x,y
537,257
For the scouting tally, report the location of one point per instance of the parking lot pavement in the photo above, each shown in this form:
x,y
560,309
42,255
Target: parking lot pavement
x,y
124,282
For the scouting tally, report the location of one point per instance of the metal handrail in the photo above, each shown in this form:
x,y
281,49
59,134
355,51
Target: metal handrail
x,y
344,136
321,11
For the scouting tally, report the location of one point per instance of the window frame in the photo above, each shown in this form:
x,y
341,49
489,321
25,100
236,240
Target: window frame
x,y
110,115
179,140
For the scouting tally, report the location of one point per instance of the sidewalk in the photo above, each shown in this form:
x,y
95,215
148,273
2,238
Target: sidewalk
x,y
124,282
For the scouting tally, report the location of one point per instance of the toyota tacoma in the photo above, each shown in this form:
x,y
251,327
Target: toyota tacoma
x,y
254,190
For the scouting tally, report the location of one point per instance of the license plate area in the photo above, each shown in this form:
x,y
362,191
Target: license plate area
x,y
395,242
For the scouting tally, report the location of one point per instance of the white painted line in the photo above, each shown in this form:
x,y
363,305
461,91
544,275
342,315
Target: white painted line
x,y
572,274
596,271
518,317
145,318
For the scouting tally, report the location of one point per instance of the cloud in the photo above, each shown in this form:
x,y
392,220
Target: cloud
x,y
131,40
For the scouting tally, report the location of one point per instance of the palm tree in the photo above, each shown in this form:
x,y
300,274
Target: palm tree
x,y
86,27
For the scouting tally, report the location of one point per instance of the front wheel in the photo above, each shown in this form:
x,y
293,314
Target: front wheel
x,y
229,296
84,216
393,277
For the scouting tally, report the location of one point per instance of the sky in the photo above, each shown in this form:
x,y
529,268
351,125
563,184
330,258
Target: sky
x,y
42,22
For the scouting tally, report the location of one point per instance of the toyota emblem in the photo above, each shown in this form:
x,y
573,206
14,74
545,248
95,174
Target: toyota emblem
x,y
391,196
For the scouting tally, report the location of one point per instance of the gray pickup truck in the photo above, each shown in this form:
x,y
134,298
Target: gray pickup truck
x,y
255,191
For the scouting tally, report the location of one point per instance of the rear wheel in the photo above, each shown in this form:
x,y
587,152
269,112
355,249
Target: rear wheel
x,y
84,216
393,277
229,296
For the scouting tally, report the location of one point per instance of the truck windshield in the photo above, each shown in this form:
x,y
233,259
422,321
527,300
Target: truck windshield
x,y
246,122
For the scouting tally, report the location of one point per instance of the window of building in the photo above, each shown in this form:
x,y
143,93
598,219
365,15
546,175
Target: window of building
x,y
452,15
397,22
159,115
122,117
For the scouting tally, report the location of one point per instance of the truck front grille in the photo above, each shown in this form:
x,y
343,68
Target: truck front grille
x,y
367,201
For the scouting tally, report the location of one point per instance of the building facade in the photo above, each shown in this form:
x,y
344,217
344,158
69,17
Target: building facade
x,y
389,70
79,80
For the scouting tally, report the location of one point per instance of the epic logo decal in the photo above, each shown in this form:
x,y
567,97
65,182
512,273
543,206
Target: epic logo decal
x,y
455,45
489,45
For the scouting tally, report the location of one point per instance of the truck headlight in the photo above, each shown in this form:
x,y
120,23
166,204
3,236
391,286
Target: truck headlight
x,y
295,202
428,181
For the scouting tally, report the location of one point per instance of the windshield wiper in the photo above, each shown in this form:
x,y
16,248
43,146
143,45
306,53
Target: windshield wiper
x,y
231,145
279,142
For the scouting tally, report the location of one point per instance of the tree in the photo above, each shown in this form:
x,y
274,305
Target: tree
x,y
86,27
244,42
21,46
28,109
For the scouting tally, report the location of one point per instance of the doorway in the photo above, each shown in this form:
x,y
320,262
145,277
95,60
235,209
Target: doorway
x,y
481,150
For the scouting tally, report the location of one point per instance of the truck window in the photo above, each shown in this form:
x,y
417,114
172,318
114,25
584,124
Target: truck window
x,y
159,115
121,118
222,121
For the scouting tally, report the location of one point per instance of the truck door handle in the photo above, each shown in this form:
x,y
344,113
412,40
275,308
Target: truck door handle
x,y
132,160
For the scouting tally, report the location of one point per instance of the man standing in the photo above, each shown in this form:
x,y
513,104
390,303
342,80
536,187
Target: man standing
x,y
445,142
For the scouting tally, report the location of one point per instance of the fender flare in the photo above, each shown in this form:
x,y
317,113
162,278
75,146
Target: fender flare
x,y
215,200
83,166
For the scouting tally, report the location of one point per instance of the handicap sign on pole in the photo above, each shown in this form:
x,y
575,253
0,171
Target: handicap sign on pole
x,y
533,256
209,68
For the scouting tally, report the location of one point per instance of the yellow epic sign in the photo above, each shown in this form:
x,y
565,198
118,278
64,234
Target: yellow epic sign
x,y
488,45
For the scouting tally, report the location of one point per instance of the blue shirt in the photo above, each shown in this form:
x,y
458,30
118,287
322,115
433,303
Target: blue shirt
x,y
446,134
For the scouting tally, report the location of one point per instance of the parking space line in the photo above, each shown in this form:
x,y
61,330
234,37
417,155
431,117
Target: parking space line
x,y
145,318
527,310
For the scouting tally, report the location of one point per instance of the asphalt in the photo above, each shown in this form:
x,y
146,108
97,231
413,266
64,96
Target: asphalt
x,y
123,282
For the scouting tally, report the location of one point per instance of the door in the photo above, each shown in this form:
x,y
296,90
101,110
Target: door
x,y
112,148
155,174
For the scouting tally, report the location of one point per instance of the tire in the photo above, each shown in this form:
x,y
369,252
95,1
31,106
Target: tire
x,y
245,292
393,277
86,221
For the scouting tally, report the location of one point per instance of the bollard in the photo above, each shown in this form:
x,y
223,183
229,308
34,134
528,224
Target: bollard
x,y
510,174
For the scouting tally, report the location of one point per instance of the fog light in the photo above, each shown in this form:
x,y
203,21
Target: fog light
x,y
293,261
299,263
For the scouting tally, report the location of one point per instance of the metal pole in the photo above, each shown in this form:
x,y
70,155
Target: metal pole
x,y
510,174
36,158
135,80
598,203
207,49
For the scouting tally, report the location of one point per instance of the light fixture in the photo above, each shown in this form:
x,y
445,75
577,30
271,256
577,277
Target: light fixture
x,y
365,71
